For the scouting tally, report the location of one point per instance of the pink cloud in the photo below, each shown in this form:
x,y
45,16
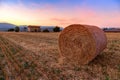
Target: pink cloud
x,y
58,20
50,15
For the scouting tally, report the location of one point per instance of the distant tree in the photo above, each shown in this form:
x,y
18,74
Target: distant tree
x,y
46,30
105,29
25,28
17,29
56,29
11,29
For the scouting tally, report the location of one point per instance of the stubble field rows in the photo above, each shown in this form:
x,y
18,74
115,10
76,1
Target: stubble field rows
x,y
35,56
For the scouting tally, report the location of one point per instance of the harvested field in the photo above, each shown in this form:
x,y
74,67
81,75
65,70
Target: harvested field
x,y
35,56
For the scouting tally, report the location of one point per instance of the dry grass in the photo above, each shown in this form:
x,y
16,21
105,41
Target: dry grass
x,y
35,56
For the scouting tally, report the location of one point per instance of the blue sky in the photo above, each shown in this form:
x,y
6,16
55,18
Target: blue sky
x,y
96,4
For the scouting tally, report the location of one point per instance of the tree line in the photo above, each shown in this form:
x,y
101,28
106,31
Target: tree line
x,y
17,29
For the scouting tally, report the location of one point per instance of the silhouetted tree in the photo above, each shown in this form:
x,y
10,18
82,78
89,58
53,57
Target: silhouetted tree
x,y
25,28
56,29
105,29
46,30
17,29
11,29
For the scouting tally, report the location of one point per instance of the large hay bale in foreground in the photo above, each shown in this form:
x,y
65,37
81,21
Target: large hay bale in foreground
x,y
80,44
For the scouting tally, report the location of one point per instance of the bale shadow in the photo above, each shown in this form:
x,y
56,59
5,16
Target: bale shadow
x,y
111,59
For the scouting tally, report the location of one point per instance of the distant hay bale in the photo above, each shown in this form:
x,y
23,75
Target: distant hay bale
x,y
79,44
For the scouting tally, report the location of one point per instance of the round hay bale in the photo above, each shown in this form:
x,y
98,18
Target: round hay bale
x,y
80,44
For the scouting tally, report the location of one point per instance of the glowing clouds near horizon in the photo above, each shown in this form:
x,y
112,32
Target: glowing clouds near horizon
x,y
52,15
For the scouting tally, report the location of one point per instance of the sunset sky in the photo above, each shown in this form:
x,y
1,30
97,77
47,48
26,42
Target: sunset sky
x,y
103,13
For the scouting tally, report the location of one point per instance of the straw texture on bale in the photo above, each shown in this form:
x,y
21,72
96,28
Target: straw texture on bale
x,y
80,44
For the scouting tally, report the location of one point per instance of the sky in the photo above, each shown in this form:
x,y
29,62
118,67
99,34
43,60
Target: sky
x,y
102,13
